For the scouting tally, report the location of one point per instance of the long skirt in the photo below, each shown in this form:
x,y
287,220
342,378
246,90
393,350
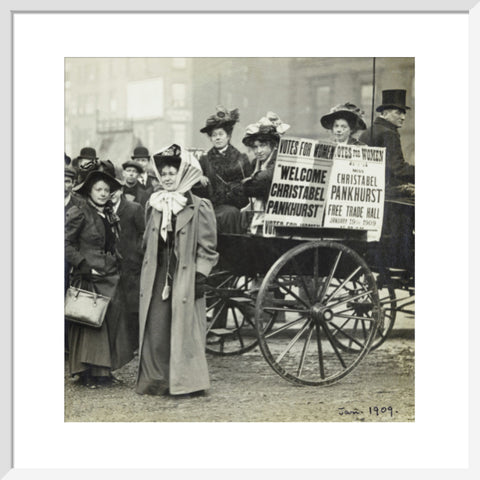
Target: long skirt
x,y
101,350
154,367
229,219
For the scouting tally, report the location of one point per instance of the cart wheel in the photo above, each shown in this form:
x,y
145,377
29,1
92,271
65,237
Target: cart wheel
x,y
230,314
387,302
319,282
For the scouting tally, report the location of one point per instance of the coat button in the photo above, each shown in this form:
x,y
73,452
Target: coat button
x,y
184,267
184,300
153,229
183,232
141,294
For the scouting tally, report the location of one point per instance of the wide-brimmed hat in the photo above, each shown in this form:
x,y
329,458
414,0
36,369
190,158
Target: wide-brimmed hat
x,y
222,118
349,112
393,99
140,152
70,172
131,163
95,176
169,156
268,128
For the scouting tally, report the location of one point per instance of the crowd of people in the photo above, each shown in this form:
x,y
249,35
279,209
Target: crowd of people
x,y
147,238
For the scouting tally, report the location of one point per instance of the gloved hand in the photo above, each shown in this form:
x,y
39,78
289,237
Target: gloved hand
x,y
200,282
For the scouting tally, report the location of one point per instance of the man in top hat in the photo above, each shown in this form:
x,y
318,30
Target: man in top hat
x,y
132,189
147,179
384,133
132,226
398,219
86,162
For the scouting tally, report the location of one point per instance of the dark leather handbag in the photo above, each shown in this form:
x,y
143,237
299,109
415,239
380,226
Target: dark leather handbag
x,y
85,307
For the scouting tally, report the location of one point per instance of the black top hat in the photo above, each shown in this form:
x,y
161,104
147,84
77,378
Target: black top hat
x,y
393,99
131,163
92,177
222,118
140,152
170,156
349,112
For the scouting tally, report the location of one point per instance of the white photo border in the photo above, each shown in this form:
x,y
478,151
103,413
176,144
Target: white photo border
x,y
10,212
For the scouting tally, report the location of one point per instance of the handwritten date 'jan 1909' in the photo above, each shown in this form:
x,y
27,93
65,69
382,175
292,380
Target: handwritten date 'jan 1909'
x,y
377,411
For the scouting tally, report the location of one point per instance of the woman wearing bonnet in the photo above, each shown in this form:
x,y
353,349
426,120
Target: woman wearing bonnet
x,y
262,138
180,242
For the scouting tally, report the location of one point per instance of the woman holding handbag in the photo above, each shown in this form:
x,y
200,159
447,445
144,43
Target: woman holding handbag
x,y
91,233
180,242
224,167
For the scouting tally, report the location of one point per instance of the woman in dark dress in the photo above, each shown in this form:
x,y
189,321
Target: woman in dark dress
x,y
90,247
343,121
224,167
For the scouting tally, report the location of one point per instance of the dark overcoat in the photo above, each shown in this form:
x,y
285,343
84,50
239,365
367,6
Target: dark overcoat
x,y
108,346
195,251
137,193
385,134
225,171
132,227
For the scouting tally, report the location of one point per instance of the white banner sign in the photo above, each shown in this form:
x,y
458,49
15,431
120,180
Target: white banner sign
x,y
299,187
356,190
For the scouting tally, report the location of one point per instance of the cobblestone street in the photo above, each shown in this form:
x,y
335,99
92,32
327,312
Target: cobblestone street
x,y
245,389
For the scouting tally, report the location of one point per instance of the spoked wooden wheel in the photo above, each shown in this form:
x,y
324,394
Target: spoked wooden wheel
x,y
317,284
388,304
230,314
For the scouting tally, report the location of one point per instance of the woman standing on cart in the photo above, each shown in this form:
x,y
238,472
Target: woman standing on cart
x,y
262,138
224,167
343,121
91,232
180,242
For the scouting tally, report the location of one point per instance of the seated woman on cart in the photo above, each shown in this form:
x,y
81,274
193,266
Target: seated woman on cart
x,y
344,121
263,138
224,167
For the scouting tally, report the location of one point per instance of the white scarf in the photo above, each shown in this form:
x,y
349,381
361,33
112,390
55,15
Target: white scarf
x,y
168,203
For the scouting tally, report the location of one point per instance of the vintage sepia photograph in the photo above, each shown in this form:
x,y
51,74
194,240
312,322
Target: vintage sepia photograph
x,y
239,239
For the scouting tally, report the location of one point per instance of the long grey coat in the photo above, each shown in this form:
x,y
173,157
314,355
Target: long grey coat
x,y
195,244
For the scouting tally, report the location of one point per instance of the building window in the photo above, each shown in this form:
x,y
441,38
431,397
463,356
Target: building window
x,y
145,99
366,96
179,134
179,95
179,62
322,99
90,105
113,104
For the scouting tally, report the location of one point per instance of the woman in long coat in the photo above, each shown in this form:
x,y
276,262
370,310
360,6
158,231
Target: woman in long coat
x,y
343,121
180,242
90,247
224,168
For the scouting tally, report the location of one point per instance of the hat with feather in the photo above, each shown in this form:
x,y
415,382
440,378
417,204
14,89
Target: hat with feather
x,y
268,128
222,118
